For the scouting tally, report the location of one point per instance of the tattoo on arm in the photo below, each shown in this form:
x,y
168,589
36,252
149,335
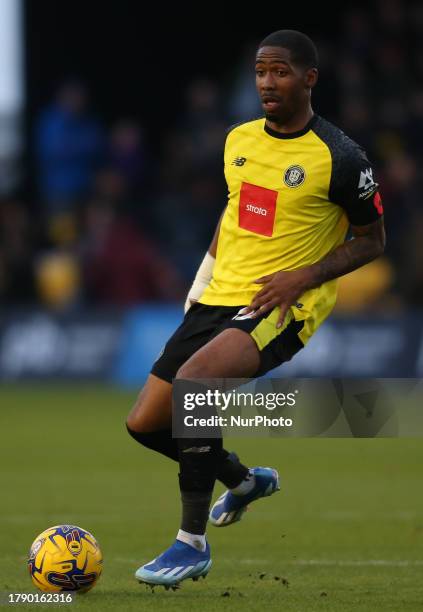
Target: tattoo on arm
x,y
368,243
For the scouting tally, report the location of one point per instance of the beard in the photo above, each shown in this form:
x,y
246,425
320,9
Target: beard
x,y
272,117
282,117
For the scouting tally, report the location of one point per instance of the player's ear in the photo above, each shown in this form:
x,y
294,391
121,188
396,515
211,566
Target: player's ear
x,y
310,77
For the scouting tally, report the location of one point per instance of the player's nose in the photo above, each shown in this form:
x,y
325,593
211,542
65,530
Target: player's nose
x,y
268,83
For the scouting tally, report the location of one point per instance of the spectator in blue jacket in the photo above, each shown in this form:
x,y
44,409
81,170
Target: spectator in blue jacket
x,y
69,148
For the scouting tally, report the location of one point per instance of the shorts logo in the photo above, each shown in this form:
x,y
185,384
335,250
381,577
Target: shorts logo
x,y
257,209
294,176
241,315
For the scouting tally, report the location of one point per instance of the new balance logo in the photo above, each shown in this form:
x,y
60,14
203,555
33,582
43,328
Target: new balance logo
x,y
239,161
197,449
366,179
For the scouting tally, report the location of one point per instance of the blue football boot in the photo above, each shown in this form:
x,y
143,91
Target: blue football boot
x,y
179,562
229,508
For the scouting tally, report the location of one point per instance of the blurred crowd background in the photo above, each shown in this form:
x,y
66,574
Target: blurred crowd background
x,y
116,206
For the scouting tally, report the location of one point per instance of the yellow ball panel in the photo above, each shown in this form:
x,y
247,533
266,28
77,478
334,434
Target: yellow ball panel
x,y
65,558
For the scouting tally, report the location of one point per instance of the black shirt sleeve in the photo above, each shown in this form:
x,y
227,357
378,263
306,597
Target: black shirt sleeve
x,y
353,187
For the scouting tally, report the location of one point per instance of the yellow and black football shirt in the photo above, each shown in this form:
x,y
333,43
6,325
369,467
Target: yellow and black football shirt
x,y
291,198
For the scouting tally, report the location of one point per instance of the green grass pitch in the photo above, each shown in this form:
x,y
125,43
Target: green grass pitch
x,y
344,534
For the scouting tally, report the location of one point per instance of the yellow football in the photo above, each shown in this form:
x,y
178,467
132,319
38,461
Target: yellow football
x,y
65,558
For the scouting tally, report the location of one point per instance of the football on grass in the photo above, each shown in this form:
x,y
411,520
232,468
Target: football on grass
x,y
65,558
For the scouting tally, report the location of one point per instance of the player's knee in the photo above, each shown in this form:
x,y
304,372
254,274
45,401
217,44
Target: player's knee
x,y
134,420
189,370
138,422
131,424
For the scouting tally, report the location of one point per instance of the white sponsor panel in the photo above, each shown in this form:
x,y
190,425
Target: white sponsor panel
x,y
41,346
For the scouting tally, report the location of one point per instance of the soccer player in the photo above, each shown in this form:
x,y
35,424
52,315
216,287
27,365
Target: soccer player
x,y
296,184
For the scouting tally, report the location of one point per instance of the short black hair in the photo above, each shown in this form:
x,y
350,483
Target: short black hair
x,y
302,48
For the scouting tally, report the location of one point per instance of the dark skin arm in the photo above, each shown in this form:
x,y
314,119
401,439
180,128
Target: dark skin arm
x,y
284,288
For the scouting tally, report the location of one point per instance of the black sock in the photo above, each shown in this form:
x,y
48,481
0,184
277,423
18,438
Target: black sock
x,y
159,441
230,471
195,511
198,458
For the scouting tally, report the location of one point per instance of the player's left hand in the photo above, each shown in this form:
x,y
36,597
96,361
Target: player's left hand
x,y
279,289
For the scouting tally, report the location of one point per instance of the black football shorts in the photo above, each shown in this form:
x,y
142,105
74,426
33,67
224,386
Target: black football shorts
x,y
202,323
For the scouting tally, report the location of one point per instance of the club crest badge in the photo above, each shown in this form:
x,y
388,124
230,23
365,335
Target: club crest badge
x,y
294,176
